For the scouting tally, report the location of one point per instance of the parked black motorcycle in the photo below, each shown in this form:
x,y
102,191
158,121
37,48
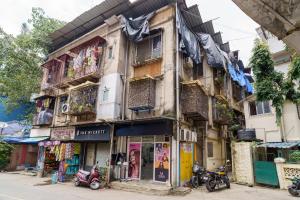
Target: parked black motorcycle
x,y
294,189
218,179
199,175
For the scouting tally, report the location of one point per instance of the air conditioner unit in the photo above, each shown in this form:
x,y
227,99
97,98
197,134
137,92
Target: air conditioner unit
x,y
185,135
65,108
188,63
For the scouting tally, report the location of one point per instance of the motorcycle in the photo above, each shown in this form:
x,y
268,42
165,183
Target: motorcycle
x,y
217,179
199,175
91,179
294,189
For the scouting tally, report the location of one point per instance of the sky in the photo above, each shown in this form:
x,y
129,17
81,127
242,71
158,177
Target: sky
x,y
235,26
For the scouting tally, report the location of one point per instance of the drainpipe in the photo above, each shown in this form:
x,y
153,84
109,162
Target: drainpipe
x,y
124,88
177,101
112,130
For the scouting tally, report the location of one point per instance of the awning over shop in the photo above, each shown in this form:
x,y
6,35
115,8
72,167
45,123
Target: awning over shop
x,y
279,145
33,140
20,140
133,128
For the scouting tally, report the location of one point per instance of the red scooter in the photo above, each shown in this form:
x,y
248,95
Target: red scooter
x,y
91,179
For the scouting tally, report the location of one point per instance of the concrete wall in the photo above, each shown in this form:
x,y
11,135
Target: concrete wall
x,y
219,150
110,108
291,122
242,164
286,172
164,94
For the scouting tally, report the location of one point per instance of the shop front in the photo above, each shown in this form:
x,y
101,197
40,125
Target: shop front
x,y
95,144
60,155
148,149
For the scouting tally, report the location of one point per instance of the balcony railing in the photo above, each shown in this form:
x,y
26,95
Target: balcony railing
x,y
221,112
51,74
194,101
141,94
43,117
83,100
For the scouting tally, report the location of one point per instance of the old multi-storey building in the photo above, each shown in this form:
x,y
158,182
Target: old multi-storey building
x,y
123,85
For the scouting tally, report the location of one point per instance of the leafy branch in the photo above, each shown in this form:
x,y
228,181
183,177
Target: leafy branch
x,y
271,85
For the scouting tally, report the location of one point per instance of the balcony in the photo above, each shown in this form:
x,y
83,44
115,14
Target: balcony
x,y
44,110
51,74
220,82
237,92
83,100
141,94
222,114
43,118
83,63
194,101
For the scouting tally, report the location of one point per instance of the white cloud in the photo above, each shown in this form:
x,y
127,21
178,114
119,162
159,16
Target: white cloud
x,y
232,22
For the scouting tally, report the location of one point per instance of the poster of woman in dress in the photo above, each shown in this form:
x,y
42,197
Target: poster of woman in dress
x,y
134,160
162,162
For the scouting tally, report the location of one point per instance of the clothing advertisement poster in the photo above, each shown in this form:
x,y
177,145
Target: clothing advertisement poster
x,y
134,160
162,162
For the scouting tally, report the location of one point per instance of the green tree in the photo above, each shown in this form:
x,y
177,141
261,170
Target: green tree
x,y
5,151
21,57
271,85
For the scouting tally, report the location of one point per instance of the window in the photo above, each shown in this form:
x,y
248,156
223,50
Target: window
x,y
197,70
149,48
156,46
252,107
210,149
105,94
258,108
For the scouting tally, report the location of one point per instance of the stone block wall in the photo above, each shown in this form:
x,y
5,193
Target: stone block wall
x,y
242,163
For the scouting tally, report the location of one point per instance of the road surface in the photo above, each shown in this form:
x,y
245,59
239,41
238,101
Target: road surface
x,y
20,187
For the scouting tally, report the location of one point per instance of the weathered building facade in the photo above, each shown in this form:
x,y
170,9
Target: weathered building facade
x,y
144,100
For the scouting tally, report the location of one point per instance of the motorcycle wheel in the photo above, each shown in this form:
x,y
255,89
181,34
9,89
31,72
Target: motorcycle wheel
x,y
210,185
95,185
195,182
227,182
293,192
76,182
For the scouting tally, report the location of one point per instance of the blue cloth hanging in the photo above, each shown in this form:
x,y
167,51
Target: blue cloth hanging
x,y
232,72
241,78
249,87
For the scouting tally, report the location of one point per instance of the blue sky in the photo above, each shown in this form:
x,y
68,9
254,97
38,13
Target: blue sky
x,y
236,27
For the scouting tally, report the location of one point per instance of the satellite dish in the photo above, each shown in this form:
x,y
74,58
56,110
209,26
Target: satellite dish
x,y
3,125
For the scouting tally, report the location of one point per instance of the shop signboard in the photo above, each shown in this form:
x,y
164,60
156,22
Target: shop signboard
x,y
162,162
63,133
92,133
134,158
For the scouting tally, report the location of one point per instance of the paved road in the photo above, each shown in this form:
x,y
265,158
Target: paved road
x,y
20,187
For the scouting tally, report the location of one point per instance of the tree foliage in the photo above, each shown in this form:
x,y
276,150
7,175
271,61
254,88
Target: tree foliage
x,y
21,57
5,151
271,85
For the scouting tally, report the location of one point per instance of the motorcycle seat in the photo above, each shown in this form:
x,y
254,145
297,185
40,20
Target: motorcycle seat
x,y
85,172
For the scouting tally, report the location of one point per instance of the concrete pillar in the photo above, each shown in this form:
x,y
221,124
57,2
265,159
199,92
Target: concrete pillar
x,y
280,173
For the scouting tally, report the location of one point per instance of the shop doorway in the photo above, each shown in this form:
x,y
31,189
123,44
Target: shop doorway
x,y
147,161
